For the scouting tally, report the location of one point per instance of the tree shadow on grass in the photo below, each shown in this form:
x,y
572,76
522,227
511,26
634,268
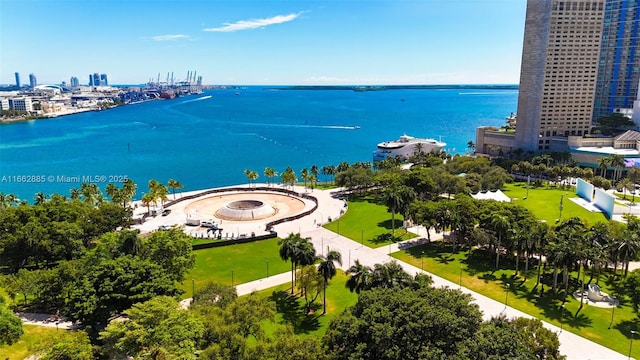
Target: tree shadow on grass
x,y
625,327
294,313
551,307
385,238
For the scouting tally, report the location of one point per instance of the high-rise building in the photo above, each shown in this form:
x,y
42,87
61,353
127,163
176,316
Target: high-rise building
x,y
96,79
33,82
103,80
90,80
74,82
560,58
17,80
619,67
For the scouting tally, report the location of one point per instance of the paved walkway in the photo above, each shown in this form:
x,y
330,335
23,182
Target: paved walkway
x,y
571,345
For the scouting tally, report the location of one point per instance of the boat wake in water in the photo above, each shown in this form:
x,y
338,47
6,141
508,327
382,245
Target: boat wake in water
x,y
300,126
198,99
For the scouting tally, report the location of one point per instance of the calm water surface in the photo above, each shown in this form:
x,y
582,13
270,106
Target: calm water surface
x,y
209,140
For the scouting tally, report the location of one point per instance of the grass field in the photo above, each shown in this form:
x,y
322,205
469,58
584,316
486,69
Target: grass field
x,y
368,222
544,203
291,308
476,273
34,338
245,262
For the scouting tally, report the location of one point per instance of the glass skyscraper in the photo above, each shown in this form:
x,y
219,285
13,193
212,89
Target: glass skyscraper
x,y
619,63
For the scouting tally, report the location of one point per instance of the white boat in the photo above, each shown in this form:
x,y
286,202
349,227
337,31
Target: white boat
x,y
405,147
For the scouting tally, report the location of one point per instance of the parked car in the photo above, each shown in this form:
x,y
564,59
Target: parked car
x,y
166,212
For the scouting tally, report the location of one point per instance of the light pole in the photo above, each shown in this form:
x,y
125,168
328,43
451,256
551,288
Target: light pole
x,y
460,283
338,225
422,259
349,257
560,217
633,334
322,245
231,277
561,316
267,268
193,288
613,310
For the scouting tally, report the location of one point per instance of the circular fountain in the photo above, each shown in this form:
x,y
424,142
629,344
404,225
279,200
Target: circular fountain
x,y
242,210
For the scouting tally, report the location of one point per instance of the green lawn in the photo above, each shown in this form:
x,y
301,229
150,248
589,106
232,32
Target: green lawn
x,y
246,262
544,203
477,275
369,222
34,338
291,308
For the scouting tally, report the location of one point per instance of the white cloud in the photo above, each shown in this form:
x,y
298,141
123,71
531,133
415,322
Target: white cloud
x,y
253,24
170,37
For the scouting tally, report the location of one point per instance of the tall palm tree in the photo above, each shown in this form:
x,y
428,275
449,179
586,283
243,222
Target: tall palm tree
x,y
617,161
251,175
342,166
389,275
327,269
4,202
501,225
287,252
90,193
129,189
173,185
603,165
627,247
360,277
75,194
40,198
289,177
304,174
315,171
299,250
540,237
270,173
147,199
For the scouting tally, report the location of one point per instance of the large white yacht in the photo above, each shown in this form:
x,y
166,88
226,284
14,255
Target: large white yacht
x,y
405,147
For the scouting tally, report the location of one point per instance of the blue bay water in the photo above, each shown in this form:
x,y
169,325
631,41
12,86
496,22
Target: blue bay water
x,y
209,140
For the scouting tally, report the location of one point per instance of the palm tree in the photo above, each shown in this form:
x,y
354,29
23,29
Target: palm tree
x,y
40,198
501,226
147,199
603,165
540,237
315,171
129,189
12,200
360,277
251,175
389,275
90,193
173,185
304,174
75,194
327,269
270,173
617,161
4,202
626,248
343,166
289,177
471,145
299,250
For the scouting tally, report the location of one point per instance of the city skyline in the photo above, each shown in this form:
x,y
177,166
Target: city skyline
x,y
279,43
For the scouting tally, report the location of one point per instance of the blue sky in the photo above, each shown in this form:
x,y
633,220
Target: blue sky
x,y
264,41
